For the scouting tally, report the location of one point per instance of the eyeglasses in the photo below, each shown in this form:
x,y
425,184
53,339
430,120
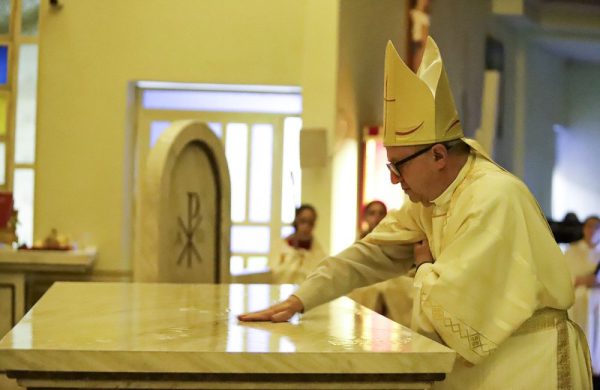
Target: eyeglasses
x,y
395,167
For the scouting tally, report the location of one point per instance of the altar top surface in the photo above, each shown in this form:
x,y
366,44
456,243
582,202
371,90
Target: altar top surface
x,y
73,261
136,327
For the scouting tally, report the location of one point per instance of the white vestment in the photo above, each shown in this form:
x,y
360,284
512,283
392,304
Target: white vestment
x,y
497,293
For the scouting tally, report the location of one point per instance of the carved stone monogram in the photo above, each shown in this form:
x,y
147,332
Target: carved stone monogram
x,y
189,230
192,214
183,224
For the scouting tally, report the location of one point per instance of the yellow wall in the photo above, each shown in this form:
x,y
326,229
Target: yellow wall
x,y
319,110
365,28
89,52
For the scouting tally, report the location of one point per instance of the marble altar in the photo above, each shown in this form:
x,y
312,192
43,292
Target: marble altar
x,y
76,261
18,269
143,335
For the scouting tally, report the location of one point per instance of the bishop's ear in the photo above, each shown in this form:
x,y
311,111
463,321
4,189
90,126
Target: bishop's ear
x,y
439,152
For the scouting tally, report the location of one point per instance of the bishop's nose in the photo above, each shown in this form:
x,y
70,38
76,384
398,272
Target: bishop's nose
x,y
394,178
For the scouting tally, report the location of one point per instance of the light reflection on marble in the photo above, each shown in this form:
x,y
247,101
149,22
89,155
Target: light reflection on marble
x,y
193,327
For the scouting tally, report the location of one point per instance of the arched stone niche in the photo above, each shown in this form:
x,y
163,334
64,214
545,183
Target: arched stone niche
x,y
183,220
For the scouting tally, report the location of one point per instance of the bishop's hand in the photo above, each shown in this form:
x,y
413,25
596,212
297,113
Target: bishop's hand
x,y
422,253
279,312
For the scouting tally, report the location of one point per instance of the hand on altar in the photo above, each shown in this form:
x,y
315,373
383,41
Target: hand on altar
x,y
279,312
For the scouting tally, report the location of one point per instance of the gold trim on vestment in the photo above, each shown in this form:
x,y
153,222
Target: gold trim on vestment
x,y
544,319
549,318
563,363
476,342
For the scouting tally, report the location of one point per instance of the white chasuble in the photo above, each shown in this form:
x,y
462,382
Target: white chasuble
x,y
497,292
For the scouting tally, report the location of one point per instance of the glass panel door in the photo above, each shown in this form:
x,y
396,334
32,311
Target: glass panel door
x,y
260,171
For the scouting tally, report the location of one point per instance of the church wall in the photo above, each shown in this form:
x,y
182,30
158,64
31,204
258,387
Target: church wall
x,y
89,53
532,81
365,28
459,28
511,98
319,82
544,107
579,142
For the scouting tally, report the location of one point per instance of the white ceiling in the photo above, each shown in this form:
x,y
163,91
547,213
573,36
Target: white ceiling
x,y
567,28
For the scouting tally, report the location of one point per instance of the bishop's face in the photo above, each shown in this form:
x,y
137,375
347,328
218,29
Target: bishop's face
x,y
411,167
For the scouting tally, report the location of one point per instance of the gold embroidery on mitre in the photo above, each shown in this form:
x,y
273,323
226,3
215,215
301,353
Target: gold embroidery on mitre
x,y
409,130
454,123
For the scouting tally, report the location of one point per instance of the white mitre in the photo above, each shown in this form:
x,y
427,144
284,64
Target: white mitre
x,y
419,108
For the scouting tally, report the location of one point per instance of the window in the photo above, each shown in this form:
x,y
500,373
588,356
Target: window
x,y
18,86
260,130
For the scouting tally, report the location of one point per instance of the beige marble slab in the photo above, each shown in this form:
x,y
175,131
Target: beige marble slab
x,y
47,260
135,327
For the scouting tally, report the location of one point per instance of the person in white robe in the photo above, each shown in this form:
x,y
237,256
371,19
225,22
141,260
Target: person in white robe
x,y
299,253
490,282
583,257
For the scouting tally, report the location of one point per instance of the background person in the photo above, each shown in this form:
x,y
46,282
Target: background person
x,y
393,297
583,255
373,213
300,252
